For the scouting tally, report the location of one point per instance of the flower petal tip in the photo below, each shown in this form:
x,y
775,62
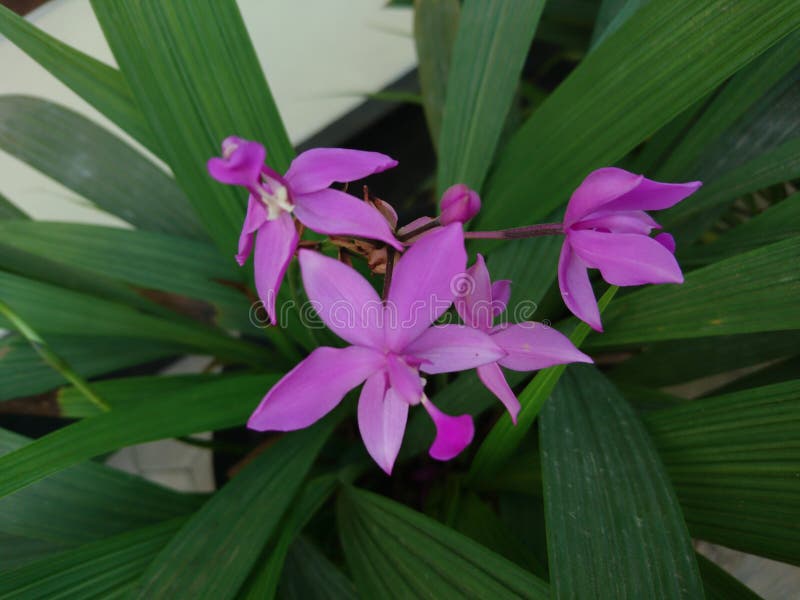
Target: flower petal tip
x,y
452,437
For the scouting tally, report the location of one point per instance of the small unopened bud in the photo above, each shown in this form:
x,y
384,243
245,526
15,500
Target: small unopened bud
x,y
459,204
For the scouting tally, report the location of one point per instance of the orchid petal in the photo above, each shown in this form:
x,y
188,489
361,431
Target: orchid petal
x,y
255,218
576,289
449,348
275,245
631,221
474,302
666,240
382,420
626,258
318,168
501,294
492,377
598,189
654,195
335,213
453,434
242,166
531,346
413,226
423,283
314,387
344,300
404,379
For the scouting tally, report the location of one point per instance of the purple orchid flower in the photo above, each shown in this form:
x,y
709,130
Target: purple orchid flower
x,y
606,228
528,346
303,191
391,344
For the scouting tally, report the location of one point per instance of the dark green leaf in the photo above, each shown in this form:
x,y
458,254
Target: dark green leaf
x,y
9,210
612,14
726,298
395,552
435,27
166,51
100,85
309,575
212,554
735,463
625,91
95,164
614,527
224,403
490,49
719,585
102,569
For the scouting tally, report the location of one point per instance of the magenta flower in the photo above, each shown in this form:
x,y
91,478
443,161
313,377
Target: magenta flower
x,y
458,204
391,344
303,191
528,346
606,228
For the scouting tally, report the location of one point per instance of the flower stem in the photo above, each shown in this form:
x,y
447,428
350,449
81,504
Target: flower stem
x,y
387,279
422,229
517,233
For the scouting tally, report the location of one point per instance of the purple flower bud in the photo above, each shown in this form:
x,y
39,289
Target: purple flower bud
x,y
459,204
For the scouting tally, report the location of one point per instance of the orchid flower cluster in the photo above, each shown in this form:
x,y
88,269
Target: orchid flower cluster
x,y
394,340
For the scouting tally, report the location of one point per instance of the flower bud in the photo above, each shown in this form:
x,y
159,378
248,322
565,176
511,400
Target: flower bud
x,y
459,204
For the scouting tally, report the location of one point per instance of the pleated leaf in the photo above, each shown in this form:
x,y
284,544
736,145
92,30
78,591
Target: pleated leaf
x,y
309,575
395,552
614,526
167,52
625,91
9,210
212,554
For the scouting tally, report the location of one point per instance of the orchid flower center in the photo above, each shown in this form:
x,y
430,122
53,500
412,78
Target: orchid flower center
x,y
274,195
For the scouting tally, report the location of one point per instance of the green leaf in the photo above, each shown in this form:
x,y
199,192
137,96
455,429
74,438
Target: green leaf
x,y
95,164
144,259
86,502
18,551
98,570
725,298
614,527
23,372
733,460
53,310
611,16
309,575
395,552
166,51
212,554
679,361
625,91
100,85
505,437
490,49
224,403
435,27
733,100
719,585
777,223
9,210
264,580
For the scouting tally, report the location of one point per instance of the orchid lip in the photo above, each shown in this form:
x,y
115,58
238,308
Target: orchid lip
x,y
274,195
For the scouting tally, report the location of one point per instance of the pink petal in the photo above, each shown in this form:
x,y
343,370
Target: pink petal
x,y
532,346
275,245
317,169
335,213
255,218
598,189
449,348
576,290
631,221
653,195
243,165
501,294
344,300
667,241
453,434
626,258
492,377
404,379
423,284
458,204
382,420
473,299
314,387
